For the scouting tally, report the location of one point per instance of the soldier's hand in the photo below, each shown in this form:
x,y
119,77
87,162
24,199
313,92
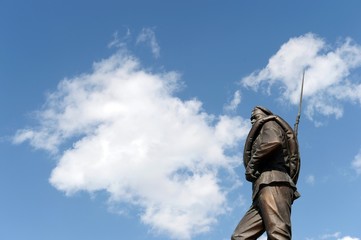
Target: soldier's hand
x,y
251,175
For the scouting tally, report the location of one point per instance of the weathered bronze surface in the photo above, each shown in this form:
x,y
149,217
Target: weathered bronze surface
x,y
272,164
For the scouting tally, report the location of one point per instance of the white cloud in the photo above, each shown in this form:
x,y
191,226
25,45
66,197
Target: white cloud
x,y
147,35
121,129
356,163
348,238
263,237
327,78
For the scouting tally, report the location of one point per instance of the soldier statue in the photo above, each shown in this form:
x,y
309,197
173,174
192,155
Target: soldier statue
x,y
272,162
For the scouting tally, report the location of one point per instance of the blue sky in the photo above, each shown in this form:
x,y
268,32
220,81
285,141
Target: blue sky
x,y
127,119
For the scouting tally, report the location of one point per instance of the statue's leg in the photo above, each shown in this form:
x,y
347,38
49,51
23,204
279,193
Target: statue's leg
x,y
275,203
250,227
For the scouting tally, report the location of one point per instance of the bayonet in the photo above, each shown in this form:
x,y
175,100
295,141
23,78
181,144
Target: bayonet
x,y
299,106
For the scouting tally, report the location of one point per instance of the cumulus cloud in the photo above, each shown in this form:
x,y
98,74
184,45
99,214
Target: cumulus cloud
x,y
328,81
356,163
122,130
147,35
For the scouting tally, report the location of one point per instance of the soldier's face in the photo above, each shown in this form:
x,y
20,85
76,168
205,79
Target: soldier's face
x,y
255,116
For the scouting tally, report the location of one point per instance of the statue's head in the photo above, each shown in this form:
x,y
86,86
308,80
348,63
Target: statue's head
x,y
259,112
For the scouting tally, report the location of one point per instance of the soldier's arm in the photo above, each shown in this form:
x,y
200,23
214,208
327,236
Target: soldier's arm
x,y
269,141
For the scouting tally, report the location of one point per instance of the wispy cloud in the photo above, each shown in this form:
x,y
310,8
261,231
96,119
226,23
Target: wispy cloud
x,y
356,163
328,81
147,35
122,130
119,42
310,179
233,104
332,235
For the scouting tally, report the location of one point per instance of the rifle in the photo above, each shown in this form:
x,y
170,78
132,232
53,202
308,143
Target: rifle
x,y
299,107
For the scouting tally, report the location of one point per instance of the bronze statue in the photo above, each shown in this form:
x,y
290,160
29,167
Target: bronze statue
x,y
272,163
